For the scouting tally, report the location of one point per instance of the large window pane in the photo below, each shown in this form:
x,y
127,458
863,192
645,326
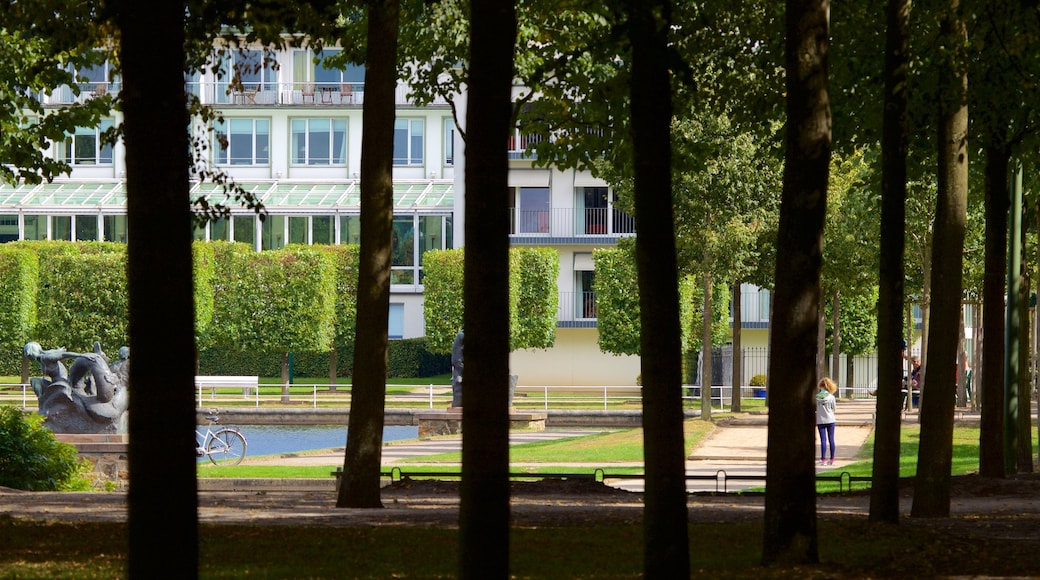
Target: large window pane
x,y
61,227
395,323
245,229
318,142
431,234
408,142
86,228
350,229
8,228
449,141
219,230
323,230
272,234
534,210
299,141
298,229
115,228
416,146
402,250
35,227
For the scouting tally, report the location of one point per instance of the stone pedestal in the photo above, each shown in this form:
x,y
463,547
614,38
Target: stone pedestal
x,y
106,452
449,422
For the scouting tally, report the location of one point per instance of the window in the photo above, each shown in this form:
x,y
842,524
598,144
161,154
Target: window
x,y
245,72
8,228
323,229
219,229
585,296
350,229
86,228
115,228
531,209
35,227
298,229
325,75
434,234
449,141
85,147
319,141
244,227
402,251
242,142
594,213
95,79
408,142
395,322
61,227
272,232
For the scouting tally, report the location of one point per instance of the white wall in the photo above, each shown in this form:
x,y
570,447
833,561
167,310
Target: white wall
x,y
575,359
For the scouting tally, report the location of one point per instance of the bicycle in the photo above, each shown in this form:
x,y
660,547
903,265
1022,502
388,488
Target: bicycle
x,y
225,446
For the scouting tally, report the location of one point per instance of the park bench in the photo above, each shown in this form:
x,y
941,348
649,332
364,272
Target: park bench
x,y
248,384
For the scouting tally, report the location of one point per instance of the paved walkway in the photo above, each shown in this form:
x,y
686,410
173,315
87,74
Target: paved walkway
x,y
737,447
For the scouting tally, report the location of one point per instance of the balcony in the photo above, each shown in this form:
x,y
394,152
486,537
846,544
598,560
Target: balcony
x,y
591,223
263,94
577,309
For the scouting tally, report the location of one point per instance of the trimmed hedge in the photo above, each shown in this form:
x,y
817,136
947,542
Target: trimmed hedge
x,y
407,358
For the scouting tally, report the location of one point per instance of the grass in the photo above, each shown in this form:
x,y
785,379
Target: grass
x,y
585,454
849,547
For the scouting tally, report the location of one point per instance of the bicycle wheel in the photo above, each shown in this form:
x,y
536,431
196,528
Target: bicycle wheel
x,y
227,447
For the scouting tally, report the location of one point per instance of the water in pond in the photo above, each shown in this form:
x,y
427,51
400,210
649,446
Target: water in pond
x,y
280,439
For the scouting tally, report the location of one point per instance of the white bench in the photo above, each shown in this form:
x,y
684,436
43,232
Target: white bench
x,y
249,385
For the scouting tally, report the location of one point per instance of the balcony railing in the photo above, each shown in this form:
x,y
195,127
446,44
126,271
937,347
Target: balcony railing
x,y
576,306
570,222
249,94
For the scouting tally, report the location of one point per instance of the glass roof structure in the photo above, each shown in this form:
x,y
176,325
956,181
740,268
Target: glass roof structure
x,y
111,194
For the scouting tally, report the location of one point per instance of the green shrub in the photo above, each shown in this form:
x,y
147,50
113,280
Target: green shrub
x,y
758,381
32,459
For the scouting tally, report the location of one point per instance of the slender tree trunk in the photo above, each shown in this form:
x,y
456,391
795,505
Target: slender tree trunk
x,y
484,511
665,536
932,485
162,493
836,336
706,356
790,531
738,358
989,385
359,484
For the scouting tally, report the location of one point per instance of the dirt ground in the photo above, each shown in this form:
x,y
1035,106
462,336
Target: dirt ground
x,y
1008,508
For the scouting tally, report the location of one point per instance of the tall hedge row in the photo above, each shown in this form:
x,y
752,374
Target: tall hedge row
x,y
250,307
19,277
533,297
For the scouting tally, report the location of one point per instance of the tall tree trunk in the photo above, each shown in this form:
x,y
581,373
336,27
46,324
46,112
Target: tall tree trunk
x,y
926,309
162,493
706,354
989,384
1025,443
932,485
665,537
738,357
895,136
359,485
790,533
484,510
